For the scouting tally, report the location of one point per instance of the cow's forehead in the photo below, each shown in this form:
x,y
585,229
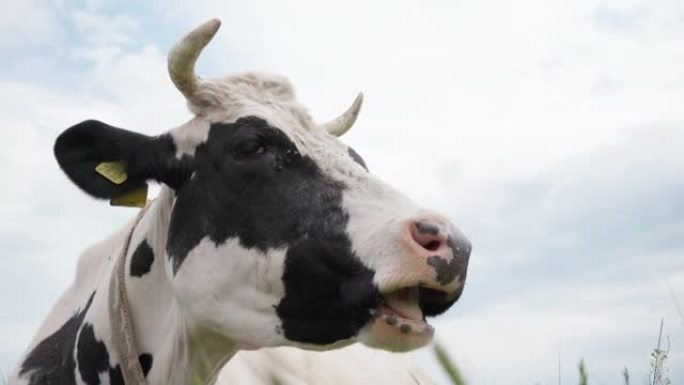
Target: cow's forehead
x,y
267,96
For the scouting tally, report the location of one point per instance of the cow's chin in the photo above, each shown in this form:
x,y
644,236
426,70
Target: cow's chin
x,y
398,324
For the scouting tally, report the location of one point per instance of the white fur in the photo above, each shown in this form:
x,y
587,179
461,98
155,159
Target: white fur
x,y
238,292
355,364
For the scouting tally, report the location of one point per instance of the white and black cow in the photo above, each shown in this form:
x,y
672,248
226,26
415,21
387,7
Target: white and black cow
x,y
268,231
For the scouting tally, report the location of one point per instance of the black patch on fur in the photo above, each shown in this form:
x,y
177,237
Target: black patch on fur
x,y
141,260
357,158
92,356
93,359
252,183
447,271
328,292
146,362
82,147
52,360
115,376
458,266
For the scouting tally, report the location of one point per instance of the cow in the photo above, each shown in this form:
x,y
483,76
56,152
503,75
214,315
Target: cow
x,y
267,231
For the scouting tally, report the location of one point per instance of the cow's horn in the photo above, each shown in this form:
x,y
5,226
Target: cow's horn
x,y
184,54
343,123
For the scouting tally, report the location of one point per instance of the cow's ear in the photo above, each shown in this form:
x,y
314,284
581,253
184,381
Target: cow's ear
x,y
107,162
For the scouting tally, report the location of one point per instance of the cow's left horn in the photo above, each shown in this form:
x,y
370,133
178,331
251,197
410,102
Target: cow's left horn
x,y
184,54
343,123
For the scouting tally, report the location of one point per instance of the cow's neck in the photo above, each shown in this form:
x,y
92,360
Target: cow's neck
x,y
182,352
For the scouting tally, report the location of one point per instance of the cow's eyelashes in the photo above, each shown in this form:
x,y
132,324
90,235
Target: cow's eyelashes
x,y
250,148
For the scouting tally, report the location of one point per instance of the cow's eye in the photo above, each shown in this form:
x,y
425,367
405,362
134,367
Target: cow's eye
x,y
250,148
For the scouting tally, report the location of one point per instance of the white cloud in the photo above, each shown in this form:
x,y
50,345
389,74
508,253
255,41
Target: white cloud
x,y
24,23
512,89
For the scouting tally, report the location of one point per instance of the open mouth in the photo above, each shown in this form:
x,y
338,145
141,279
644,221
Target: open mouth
x,y
411,305
399,321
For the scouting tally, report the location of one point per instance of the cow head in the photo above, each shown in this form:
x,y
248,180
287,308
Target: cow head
x,y
277,233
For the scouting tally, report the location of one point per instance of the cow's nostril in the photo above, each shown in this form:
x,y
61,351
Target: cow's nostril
x,y
428,236
427,228
433,245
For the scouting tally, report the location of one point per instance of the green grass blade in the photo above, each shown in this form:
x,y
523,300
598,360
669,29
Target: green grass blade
x,y
448,365
583,377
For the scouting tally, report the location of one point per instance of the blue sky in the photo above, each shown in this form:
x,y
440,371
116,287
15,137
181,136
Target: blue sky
x,y
552,132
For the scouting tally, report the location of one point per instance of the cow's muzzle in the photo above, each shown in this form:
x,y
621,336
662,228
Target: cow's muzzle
x,y
430,283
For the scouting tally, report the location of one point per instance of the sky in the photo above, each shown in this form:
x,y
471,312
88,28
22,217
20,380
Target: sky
x,y
551,132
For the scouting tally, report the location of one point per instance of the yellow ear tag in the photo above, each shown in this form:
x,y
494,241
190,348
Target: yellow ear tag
x,y
115,172
134,198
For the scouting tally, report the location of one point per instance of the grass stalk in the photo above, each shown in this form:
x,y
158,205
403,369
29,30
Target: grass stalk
x,y
448,365
583,377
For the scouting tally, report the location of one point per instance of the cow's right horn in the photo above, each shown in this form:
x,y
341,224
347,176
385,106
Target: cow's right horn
x,y
343,123
184,54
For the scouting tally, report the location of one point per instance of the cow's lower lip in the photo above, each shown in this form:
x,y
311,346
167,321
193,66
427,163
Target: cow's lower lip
x,y
398,323
403,304
405,324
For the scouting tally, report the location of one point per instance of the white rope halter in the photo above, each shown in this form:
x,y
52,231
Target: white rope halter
x,y
120,317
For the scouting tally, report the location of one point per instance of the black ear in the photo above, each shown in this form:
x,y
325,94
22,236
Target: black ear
x,y
82,148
